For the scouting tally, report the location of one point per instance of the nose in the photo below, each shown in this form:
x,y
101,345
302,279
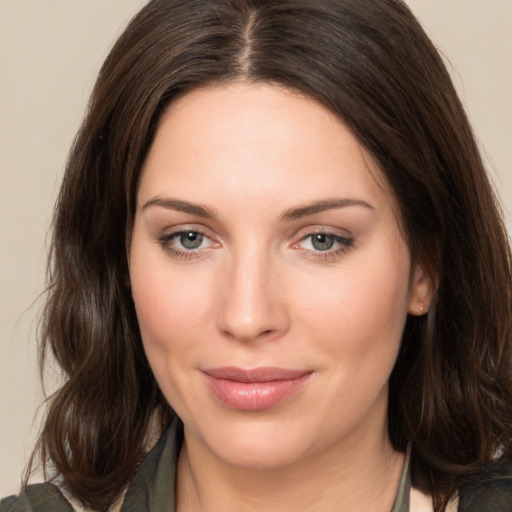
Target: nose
x,y
252,299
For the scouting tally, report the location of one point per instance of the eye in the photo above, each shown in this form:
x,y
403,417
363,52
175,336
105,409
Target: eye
x,y
187,243
322,241
190,239
323,245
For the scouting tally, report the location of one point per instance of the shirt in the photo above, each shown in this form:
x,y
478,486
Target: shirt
x,y
150,490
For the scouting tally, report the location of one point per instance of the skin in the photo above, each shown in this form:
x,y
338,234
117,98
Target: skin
x,y
258,291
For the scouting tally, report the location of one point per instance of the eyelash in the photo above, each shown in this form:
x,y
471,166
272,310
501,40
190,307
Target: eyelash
x,y
183,254
329,254
344,245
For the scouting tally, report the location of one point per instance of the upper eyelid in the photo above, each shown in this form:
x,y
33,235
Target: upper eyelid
x,y
342,240
299,235
169,242
327,230
172,235
335,236
174,230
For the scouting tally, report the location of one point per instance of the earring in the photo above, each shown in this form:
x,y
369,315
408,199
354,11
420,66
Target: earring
x,y
422,307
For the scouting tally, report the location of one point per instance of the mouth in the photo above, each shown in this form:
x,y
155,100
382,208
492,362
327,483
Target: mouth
x,y
255,389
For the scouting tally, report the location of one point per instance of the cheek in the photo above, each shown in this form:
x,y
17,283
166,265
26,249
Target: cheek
x,y
171,311
361,310
171,306
164,307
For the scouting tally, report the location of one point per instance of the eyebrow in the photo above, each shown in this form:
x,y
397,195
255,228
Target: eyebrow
x,y
290,214
321,206
181,206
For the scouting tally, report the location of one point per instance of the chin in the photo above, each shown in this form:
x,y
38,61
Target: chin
x,y
254,444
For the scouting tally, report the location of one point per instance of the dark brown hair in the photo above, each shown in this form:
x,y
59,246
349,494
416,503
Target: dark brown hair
x,y
370,63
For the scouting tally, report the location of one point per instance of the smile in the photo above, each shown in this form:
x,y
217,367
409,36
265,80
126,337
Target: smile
x,y
256,389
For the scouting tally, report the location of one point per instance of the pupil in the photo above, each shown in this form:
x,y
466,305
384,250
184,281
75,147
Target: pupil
x,y
322,242
191,240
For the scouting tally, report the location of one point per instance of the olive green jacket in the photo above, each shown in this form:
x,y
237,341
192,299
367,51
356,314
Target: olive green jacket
x,y
150,490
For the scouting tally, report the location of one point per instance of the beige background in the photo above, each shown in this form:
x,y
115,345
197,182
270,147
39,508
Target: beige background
x,y
50,52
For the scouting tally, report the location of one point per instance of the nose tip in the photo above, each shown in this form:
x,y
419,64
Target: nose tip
x,y
247,330
252,306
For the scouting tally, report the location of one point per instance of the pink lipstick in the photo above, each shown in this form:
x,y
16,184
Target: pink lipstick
x,y
256,389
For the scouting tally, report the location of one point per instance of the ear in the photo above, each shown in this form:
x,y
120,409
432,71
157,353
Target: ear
x,y
422,291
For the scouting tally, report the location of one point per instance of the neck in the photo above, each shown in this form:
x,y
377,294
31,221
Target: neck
x,y
355,476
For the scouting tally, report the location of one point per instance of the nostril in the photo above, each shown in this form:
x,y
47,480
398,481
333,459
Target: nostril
x,y
248,336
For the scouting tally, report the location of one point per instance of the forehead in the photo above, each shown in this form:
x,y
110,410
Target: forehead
x,y
253,141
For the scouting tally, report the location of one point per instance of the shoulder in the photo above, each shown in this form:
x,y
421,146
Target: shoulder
x,y
493,494
35,498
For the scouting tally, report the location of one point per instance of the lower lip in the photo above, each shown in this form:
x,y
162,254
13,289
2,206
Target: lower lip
x,y
254,396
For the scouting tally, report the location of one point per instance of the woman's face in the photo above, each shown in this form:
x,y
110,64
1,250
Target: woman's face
x,y
269,274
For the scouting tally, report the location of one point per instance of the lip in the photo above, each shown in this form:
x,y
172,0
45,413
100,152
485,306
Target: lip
x,y
254,389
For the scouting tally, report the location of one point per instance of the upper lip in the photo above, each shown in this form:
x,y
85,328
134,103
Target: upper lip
x,y
260,374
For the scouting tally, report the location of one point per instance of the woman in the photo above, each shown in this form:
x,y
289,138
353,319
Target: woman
x,y
276,248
